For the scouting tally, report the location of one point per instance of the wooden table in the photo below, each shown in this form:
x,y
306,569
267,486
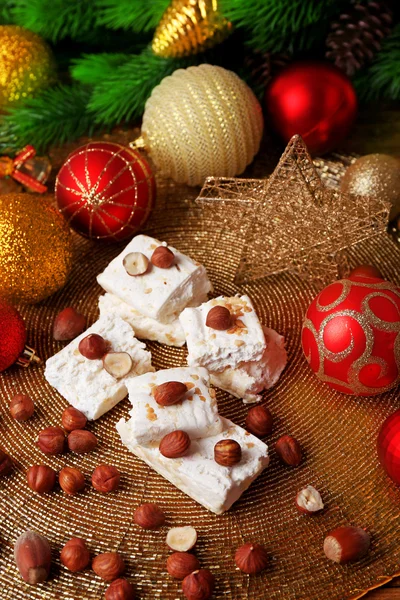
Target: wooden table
x,y
378,130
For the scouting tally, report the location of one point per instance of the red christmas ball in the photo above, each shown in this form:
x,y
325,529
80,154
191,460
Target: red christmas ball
x,y
12,335
389,446
105,190
366,271
351,336
315,100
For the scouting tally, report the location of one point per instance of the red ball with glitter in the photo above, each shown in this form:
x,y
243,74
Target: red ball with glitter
x,y
313,99
351,336
105,190
12,335
389,446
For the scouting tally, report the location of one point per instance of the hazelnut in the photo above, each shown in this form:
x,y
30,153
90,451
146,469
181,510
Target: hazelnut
x,y
149,516
219,318
162,257
81,441
175,444
75,555
120,589
181,539
346,544
169,393
366,271
251,558
259,421
289,450
72,419
68,324
21,407
135,263
117,364
105,478
51,440
181,564
227,453
71,480
6,464
108,566
93,346
309,501
32,555
199,585
41,478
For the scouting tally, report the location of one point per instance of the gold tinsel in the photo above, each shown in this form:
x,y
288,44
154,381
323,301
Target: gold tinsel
x,y
35,248
290,222
27,65
189,27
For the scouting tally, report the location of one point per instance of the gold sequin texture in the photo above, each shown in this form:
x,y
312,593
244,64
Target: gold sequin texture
x,y
290,222
375,175
27,65
189,27
338,433
35,248
202,121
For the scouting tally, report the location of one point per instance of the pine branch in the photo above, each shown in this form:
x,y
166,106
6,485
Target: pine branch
x,y
56,19
6,14
92,68
57,115
122,95
138,15
382,78
281,26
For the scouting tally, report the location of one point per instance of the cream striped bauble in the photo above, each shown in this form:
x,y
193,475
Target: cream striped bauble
x,y
202,121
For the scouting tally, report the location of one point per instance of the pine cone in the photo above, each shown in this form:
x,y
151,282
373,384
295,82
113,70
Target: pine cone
x,y
262,66
357,36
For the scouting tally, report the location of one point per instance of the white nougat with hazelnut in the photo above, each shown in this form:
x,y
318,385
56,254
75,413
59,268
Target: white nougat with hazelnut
x,y
244,359
159,293
170,334
85,383
197,474
196,413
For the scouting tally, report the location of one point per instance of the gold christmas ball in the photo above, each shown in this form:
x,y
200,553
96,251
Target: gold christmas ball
x,y
200,122
188,27
375,175
35,248
27,65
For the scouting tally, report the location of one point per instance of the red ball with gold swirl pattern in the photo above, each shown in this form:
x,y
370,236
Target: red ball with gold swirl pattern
x,y
351,336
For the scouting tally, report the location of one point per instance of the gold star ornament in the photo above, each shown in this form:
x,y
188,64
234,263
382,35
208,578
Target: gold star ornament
x,y
291,221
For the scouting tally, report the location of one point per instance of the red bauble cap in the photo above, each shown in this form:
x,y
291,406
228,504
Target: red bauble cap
x,y
313,99
351,334
12,335
389,446
105,190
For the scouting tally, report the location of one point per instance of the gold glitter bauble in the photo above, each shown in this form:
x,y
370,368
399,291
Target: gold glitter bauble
x,y
202,121
27,65
189,27
376,175
35,248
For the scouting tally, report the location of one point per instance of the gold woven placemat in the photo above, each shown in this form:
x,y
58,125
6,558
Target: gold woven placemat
x,y
337,432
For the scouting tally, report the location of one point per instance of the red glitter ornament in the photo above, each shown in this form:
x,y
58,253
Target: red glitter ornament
x,y
389,446
12,335
315,100
105,190
351,336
